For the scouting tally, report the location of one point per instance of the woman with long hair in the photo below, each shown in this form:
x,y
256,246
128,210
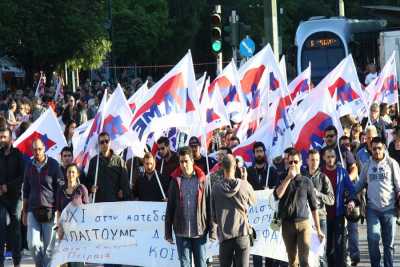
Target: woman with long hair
x,y
71,191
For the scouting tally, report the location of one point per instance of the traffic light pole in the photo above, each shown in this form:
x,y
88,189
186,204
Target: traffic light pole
x,y
233,20
271,25
219,63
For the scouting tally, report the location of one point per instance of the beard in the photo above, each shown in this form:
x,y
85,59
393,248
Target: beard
x,y
4,145
260,160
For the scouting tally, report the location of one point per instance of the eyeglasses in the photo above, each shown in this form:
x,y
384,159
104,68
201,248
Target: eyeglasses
x,y
376,148
161,148
293,161
106,141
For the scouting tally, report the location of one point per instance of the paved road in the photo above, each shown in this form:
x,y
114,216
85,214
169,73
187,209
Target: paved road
x,y
27,261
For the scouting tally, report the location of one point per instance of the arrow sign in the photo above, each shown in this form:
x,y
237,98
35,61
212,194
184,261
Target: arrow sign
x,y
247,47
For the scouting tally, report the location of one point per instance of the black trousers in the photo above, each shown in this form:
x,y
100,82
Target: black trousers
x,y
238,248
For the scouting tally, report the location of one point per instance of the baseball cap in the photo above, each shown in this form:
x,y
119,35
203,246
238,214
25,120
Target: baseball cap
x,y
194,141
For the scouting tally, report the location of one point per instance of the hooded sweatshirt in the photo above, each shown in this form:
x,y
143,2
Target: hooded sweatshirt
x,y
382,180
230,202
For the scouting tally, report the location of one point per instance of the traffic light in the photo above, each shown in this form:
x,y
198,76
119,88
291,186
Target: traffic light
x,y
216,31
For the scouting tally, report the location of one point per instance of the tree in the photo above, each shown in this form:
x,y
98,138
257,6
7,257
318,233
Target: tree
x,y
44,34
139,26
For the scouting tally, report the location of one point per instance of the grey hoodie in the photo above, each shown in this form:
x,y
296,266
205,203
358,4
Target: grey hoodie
x,y
230,202
382,180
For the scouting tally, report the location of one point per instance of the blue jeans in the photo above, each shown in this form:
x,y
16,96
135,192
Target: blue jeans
x,y
323,261
12,232
39,237
381,223
188,246
354,251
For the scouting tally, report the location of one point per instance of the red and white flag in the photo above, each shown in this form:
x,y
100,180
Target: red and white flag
x,y
47,129
344,87
170,102
85,142
135,99
117,118
41,85
384,88
300,86
316,112
229,86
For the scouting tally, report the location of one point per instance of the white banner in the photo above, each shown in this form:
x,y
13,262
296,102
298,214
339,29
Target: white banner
x,y
132,233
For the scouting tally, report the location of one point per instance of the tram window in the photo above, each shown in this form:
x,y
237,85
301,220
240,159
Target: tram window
x,y
324,50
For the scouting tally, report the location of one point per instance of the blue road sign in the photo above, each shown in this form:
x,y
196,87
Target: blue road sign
x,y
247,47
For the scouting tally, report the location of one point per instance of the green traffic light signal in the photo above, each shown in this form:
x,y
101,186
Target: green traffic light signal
x,y
216,46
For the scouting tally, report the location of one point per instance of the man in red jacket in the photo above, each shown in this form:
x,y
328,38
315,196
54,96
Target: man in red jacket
x,y
189,211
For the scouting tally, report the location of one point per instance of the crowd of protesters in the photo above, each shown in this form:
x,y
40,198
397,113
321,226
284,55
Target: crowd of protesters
x,y
351,180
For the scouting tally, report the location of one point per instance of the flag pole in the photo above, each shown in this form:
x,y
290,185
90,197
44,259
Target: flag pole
x,y
96,173
159,183
131,173
340,155
266,182
205,147
157,177
98,148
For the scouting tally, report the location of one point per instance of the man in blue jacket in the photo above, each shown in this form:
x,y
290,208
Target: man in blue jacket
x,y
343,187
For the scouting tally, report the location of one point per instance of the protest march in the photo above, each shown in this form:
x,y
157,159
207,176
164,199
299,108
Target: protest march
x,y
194,171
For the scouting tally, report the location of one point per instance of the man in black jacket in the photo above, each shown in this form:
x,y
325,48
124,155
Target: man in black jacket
x,y
112,176
11,178
149,185
294,193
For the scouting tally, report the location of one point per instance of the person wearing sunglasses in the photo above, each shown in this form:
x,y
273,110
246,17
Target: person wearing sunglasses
x,y
294,193
112,175
381,177
342,187
167,160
